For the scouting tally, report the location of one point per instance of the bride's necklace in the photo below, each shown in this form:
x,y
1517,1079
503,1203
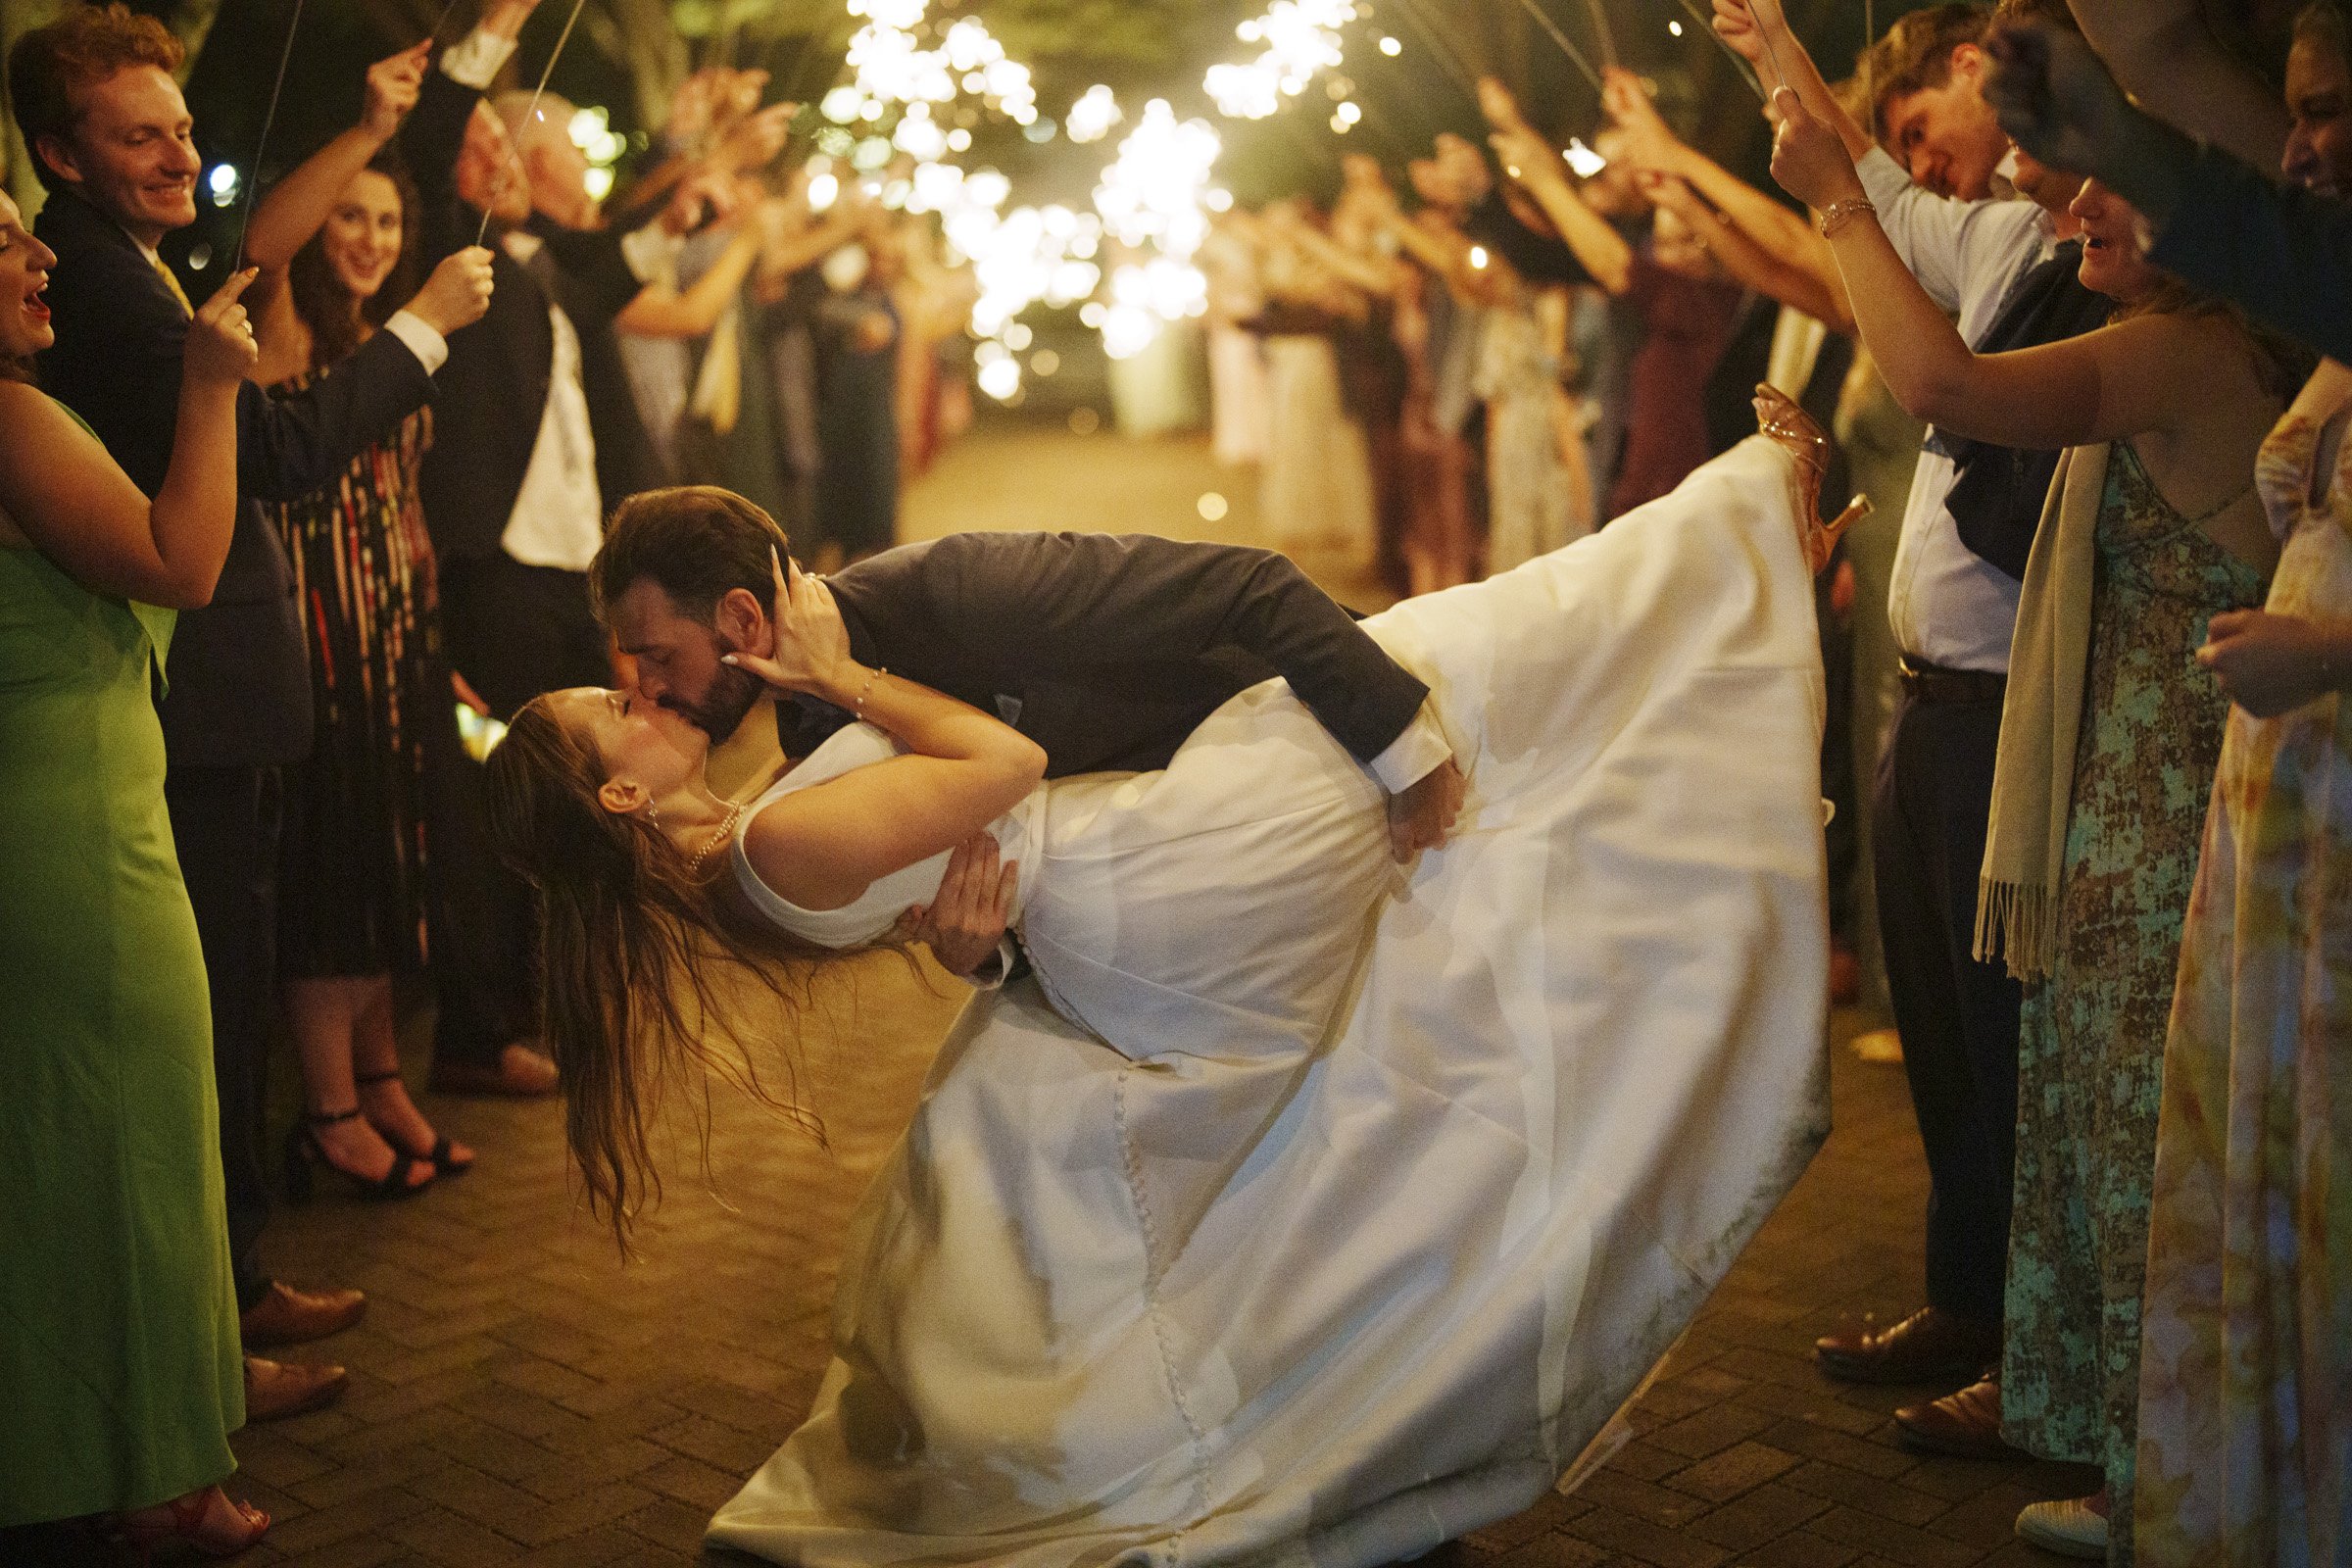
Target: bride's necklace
x,y
725,827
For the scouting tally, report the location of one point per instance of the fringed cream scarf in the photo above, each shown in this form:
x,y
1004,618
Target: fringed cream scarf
x,y
2033,774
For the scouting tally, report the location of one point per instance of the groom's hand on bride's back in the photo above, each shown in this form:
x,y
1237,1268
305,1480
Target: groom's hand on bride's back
x,y
966,921
1421,816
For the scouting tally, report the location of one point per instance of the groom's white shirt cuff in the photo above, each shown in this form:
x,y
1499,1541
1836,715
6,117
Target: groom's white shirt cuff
x,y
474,62
1411,755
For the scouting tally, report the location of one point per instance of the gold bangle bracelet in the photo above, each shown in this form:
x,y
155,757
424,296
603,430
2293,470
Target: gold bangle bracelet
x,y
1837,215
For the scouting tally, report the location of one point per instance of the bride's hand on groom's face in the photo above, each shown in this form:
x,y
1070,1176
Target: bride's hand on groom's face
x,y
812,644
966,920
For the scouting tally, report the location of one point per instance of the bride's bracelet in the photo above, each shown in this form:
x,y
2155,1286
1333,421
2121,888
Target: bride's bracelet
x,y
857,711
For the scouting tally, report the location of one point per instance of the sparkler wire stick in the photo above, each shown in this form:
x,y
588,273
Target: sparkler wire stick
x,y
253,185
1600,26
532,111
1706,25
1557,37
1447,61
439,21
1770,53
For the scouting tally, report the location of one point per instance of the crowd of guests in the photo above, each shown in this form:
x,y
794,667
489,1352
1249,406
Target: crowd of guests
x,y
380,459
363,483
2108,902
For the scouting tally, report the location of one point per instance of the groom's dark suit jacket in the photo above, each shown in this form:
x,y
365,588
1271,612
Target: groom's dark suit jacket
x,y
240,678
1107,650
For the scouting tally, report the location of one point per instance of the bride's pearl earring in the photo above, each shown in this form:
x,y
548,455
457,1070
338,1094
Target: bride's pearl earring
x,y
652,817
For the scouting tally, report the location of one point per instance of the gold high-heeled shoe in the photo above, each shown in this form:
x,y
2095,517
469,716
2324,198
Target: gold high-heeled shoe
x,y
1791,428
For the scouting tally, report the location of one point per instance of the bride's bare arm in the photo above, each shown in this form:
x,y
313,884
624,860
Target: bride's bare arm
x,y
822,846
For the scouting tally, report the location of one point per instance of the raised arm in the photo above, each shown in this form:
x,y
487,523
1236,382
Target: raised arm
x,y
2166,55
1758,32
1749,263
298,204
2121,380
822,846
1530,161
78,506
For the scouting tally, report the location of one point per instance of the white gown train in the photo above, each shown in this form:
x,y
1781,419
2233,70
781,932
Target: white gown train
x,y
1328,1267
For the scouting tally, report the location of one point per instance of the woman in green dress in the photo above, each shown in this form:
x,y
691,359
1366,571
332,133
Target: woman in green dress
x,y
119,1349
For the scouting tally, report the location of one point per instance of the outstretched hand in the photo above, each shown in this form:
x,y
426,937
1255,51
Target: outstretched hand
x,y
2271,663
812,644
1421,816
2052,95
966,921
393,84
1809,158
458,294
220,347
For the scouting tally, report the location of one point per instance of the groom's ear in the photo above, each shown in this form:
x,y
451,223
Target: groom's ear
x,y
742,621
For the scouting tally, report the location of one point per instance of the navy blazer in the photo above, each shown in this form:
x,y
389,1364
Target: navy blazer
x,y
493,391
239,674
1107,650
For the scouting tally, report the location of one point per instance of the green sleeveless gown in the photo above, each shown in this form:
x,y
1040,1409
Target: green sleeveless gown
x,y
119,1367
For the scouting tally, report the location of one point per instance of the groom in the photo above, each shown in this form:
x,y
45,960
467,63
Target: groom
x,y
1107,650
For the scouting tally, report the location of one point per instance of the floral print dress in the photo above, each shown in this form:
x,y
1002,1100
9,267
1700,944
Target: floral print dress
x,y
2245,1389
2090,1046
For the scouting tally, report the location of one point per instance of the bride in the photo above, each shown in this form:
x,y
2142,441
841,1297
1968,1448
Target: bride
x,y
1308,1208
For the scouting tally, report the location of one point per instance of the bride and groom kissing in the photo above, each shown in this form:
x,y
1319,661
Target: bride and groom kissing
x,y
1313,1195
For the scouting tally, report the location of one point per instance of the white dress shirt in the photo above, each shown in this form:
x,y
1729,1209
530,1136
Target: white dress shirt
x,y
1949,606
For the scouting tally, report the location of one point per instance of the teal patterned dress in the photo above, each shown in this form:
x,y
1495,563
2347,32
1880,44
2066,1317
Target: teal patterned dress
x,y
2090,1048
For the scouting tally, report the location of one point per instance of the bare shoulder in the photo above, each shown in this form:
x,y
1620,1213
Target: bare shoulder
x,y
40,431
789,846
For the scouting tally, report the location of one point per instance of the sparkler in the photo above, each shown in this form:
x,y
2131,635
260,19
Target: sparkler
x,y
532,113
1571,50
253,185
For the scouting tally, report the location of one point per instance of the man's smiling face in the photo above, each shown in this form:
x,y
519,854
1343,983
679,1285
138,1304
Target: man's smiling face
x,y
132,152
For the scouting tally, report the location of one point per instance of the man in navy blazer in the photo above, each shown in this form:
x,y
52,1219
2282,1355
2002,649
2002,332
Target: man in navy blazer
x,y
94,97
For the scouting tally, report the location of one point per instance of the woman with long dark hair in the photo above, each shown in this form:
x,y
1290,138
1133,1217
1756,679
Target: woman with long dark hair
x,y
1303,1197
336,240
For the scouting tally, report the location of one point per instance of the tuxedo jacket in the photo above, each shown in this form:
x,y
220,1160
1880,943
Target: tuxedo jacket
x,y
493,391
240,677
1107,650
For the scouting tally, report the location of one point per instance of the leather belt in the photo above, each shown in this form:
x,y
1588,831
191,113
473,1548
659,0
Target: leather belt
x,y
1932,683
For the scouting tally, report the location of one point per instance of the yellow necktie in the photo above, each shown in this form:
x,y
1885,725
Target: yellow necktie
x,y
173,284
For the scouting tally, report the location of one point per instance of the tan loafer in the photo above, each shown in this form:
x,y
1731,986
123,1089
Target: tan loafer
x,y
1966,1425
1929,1345
2067,1526
277,1390
521,1073
288,1316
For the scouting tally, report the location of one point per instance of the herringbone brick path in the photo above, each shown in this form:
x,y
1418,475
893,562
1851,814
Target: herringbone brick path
x,y
519,1397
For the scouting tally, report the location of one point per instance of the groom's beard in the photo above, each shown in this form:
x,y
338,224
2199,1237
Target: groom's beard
x,y
732,694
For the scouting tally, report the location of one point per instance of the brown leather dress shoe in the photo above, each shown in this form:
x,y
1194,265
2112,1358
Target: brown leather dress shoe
x,y
288,1316
1928,1346
521,1073
275,1390
1966,1425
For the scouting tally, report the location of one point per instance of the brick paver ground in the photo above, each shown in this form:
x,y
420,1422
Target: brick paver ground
x,y
521,1396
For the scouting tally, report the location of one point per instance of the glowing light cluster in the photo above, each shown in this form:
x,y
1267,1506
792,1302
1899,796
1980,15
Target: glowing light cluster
x,y
891,65
1157,195
1091,117
591,132
1301,39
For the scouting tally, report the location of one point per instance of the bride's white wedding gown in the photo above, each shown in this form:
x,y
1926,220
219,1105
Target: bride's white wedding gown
x,y
1326,1211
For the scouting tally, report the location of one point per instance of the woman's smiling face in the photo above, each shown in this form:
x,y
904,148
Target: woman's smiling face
x,y
2111,262
363,233
24,264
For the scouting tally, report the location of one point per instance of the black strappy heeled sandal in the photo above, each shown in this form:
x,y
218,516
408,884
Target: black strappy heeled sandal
x,y
303,1147
439,1157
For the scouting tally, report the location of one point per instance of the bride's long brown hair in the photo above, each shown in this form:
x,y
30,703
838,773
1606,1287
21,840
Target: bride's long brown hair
x,y
640,963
